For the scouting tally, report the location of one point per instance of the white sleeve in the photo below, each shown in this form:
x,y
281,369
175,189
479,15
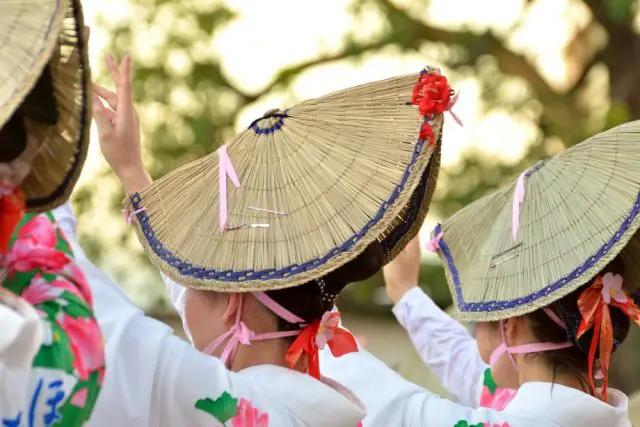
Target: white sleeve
x,y
427,409
152,377
20,339
444,345
67,222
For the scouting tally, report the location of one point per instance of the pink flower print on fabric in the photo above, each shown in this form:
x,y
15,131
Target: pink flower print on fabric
x,y
24,256
86,344
40,291
492,396
79,399
39,232
248,416
612,288
488,424
325,332
498,400
82,289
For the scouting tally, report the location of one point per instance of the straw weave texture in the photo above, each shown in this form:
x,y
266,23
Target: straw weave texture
x,y
579,212
329,170
37,32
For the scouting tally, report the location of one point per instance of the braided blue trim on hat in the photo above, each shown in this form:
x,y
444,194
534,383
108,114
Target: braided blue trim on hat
x,y
185,268
487,306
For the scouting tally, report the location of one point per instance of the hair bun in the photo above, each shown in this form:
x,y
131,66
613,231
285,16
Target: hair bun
x,y
365,265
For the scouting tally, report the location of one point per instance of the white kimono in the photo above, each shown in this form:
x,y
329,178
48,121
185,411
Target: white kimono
x,y
154,378
150,375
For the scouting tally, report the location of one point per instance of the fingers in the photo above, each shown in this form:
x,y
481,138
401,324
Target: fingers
x,y
124,86
101,116
107,95
112,67
125,97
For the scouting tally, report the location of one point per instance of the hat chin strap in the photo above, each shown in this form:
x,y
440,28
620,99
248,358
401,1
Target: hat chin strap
x,y
239,333
526,348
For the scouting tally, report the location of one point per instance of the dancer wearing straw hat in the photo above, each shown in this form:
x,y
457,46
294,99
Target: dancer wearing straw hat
x,y
548,268
264,263
51,353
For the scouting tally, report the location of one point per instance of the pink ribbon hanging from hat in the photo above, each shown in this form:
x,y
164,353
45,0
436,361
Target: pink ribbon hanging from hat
x,y
226,170
452,102
518,198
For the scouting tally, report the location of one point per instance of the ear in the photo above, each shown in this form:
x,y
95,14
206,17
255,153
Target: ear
x,y
234,303
515,330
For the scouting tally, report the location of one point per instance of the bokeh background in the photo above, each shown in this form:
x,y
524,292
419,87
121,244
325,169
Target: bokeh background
x,y
535,77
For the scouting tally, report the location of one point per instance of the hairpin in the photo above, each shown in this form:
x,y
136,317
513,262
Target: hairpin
x,y
244,226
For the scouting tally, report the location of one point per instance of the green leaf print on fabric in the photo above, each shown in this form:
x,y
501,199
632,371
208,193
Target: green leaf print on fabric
x,y
464,423
55,352
75,307
223,408
489,382
82,401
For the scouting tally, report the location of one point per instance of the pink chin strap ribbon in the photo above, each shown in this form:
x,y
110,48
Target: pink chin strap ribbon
x,y
527,348
241,334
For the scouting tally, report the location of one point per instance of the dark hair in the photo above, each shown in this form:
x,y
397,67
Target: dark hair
x,y
312,299
574,360
39,104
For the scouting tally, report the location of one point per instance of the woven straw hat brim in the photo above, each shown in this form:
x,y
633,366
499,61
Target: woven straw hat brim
x,y
40,32
580,211
408,223
340,171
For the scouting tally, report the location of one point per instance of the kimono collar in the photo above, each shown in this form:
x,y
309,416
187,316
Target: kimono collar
x,y
323,403
565,406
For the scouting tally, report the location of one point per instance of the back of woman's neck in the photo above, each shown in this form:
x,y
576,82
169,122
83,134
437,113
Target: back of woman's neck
x,y
271,352
538,372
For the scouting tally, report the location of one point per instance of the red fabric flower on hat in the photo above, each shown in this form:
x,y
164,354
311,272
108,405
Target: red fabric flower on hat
x,y
432,94
426,133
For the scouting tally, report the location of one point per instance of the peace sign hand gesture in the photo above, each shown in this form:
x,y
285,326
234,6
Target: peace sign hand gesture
x,y
119,127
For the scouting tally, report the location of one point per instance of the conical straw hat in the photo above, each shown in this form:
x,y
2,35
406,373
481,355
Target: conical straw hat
x,y
579,211
36,33
318,182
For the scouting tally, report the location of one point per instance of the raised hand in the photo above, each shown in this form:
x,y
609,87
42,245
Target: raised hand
x,y
402,274
119,127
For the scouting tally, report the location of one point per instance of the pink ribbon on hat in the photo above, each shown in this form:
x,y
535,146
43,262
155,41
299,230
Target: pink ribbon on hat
x,y
129,217
452,102
518,198
226,170
434,244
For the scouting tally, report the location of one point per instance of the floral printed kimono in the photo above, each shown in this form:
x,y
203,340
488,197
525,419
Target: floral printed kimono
x,y
51,350
157,379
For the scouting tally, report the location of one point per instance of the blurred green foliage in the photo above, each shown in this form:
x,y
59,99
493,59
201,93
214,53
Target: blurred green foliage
x,y
604,89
